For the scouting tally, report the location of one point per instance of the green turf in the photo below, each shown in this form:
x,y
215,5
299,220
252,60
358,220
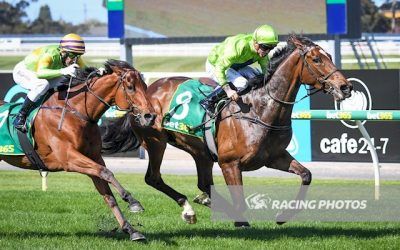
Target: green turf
x,y
8,62
71,215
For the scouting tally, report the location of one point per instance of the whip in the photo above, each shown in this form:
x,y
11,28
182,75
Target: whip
x,y
66,100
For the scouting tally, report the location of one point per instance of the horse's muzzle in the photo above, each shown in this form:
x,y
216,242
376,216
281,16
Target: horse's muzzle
x,y
145,120
346,89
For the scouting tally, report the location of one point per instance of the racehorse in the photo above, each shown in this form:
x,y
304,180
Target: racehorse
x,y
77,146
251,133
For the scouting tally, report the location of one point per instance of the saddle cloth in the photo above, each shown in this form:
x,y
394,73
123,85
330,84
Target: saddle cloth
x,y
185,112
9,143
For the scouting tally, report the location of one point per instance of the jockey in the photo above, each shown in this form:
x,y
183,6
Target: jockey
x,y
43,69
229,62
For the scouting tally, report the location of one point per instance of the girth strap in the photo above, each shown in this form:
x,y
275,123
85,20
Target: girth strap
x,y
30,152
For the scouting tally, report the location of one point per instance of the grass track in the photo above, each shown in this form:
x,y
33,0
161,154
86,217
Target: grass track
x,y
71,215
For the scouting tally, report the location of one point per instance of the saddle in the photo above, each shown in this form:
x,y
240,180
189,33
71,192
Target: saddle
x,y
208,81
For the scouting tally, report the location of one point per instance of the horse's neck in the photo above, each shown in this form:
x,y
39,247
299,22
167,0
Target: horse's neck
x,y
88,104
282,86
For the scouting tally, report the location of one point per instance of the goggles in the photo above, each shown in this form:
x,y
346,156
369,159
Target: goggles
x,y
266,47
73,55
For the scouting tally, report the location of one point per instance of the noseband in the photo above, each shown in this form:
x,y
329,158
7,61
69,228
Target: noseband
x,y
323,80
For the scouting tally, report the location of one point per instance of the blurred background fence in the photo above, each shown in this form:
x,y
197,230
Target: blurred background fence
x,y
379,51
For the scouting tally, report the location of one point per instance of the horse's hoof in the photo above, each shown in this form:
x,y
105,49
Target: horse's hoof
x,y
136,236
190,219
136,208
242,224
203,199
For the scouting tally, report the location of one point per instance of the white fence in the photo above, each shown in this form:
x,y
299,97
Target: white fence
x,y
386,45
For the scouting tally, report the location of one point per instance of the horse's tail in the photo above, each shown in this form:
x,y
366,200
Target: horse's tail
x,y
117,136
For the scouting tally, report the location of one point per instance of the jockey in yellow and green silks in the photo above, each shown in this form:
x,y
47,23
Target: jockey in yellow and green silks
x,y
230,61
43,68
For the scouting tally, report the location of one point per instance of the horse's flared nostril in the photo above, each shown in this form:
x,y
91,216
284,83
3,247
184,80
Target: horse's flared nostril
x,y
345,88
149,117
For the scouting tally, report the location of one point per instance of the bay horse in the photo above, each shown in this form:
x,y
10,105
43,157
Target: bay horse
x,y
77,146
251,133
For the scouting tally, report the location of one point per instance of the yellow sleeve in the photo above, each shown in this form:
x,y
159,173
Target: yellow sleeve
x,y
44,71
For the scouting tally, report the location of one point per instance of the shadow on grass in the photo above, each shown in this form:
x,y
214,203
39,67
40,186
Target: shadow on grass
x,y
300,232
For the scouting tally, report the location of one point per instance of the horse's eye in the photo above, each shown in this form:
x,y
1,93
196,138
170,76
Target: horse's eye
x,y
130,87
317,59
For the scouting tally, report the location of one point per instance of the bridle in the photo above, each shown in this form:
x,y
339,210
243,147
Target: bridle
x,y
316,74
320,77
88,83
121,81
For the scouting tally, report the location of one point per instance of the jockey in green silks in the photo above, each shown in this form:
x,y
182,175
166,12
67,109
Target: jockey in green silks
x,y
230,61
43,69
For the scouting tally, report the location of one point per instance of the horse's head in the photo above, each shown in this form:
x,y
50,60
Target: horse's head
x,y
318,70
131,92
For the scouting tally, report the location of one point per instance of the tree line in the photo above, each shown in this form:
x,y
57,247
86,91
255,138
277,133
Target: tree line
x,y
13,20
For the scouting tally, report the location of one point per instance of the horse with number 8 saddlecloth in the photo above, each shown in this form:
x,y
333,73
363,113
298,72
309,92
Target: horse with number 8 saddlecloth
x,y
251,133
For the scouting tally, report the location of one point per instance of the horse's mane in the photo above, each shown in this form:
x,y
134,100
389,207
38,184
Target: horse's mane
x,y
117,63
277,58
88,73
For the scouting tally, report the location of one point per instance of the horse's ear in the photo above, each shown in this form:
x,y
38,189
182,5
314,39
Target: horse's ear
x,y
115,69
297,42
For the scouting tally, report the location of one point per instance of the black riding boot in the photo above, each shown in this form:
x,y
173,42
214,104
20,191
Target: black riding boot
x,y
209,102
20,119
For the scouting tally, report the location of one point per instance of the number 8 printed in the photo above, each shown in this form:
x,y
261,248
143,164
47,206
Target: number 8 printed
x,y
184,100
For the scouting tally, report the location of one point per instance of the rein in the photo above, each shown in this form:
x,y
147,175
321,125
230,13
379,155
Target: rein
x,y
321,79
258,121
132,108
86,118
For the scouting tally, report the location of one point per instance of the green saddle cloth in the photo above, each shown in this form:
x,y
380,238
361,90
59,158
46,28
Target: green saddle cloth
x,y
9,143
185,112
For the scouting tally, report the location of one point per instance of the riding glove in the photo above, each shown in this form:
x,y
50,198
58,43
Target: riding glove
x,y
101,71
70,70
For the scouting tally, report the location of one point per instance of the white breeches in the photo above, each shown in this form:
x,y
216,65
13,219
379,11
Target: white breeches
x,y
28,80
239,77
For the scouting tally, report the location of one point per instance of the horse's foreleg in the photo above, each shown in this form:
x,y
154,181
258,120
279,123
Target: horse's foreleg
x,y
153,178
204,167
134,205
78,162
233,178
286,162
105,191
